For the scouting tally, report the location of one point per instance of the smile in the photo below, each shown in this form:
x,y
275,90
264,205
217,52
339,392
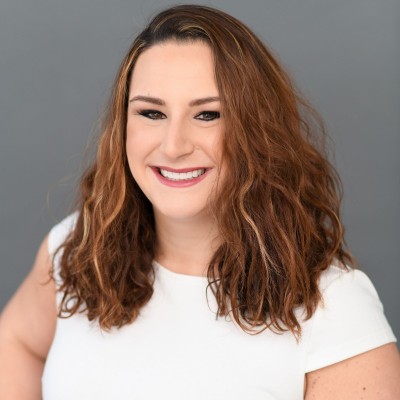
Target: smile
x,y
181,176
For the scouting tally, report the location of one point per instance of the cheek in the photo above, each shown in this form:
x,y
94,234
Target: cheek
x,y
130,145
216,147
138,144
210,140
135,153
131,152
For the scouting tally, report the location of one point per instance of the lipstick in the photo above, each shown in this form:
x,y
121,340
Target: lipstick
x,y
180,178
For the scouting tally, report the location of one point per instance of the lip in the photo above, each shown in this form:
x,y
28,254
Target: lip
x,y
182,170
179,184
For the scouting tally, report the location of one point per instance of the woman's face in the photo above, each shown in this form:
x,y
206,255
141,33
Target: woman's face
x,y
174,128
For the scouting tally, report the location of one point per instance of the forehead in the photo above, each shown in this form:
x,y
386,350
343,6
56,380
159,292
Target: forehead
x,y
173,64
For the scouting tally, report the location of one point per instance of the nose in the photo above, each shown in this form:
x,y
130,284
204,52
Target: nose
x,y
176,141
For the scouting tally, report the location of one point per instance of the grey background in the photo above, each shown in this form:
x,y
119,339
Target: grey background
x,y
57,63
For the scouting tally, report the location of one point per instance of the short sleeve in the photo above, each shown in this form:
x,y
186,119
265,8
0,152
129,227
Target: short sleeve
x,y
349,321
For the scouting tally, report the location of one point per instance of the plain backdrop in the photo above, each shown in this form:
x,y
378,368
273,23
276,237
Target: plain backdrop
x,y
57,63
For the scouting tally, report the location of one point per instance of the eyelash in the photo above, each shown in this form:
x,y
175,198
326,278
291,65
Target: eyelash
x,y
147,114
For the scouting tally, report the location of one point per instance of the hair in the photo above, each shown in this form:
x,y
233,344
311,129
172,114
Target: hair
x,y
277,211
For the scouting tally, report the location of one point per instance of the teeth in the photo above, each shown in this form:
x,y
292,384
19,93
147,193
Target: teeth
x,y
182,176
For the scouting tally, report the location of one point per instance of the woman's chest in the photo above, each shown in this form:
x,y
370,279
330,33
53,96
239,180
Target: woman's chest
x,y
171,353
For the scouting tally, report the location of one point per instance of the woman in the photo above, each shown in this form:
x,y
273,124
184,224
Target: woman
x,y
206,258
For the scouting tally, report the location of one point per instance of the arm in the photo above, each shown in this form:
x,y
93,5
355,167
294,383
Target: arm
x,y
374,374
27,326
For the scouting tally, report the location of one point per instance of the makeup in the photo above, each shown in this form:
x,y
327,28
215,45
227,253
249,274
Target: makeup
x,y
180,178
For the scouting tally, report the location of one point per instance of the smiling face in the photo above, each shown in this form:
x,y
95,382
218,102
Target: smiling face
x,y
174,129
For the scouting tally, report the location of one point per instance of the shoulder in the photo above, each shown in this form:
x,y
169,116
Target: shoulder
x,y
60,231
345,287
56,237
350,319
346,290
341,276
351,351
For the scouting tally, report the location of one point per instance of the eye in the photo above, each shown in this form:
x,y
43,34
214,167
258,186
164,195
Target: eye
x,y
208,115
151,114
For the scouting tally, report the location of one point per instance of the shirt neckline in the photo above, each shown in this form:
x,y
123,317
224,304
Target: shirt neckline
x,y
178,276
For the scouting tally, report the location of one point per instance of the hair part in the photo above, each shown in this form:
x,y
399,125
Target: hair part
x,y
277,210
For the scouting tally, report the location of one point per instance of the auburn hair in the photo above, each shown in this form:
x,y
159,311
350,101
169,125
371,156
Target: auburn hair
x,y
277,211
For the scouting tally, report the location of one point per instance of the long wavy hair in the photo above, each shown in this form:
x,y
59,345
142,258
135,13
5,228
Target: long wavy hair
x,y
277,211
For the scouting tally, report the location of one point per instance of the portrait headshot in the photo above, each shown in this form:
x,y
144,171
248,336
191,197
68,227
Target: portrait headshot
x,y
199,200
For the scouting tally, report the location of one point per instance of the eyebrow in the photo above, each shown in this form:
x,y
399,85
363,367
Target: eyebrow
x,y
160,102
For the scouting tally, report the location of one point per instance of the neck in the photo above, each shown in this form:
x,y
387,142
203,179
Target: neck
x,y
184,246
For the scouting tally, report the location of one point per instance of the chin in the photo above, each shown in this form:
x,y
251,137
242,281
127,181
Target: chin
x,y
180,213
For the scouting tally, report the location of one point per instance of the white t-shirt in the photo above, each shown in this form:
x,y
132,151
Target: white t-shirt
x,y
178,350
